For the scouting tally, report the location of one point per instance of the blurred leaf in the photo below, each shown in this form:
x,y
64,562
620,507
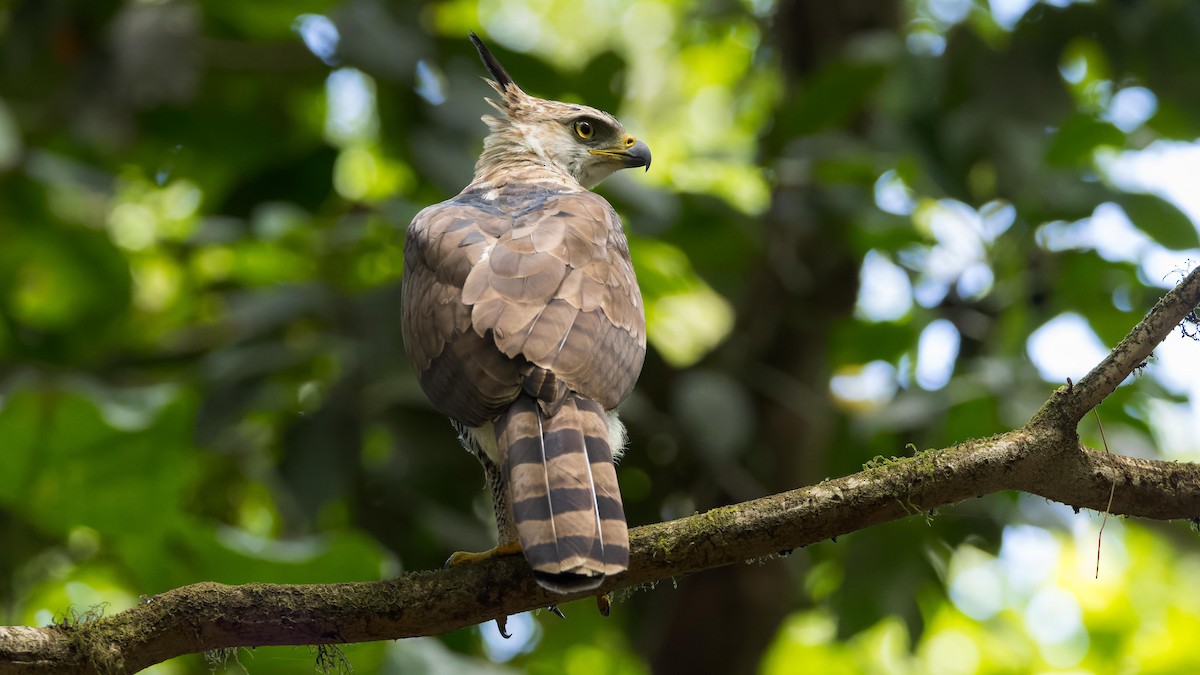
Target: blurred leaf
x,y
685,317
56,278
233,556
1083,277
202,377
1079,137
976,416
245,20
77,448
1160,219
858,342
23,428
1170,121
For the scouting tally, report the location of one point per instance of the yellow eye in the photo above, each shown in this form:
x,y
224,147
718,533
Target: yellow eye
x,y
584,129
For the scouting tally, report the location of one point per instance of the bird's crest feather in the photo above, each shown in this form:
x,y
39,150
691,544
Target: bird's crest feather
x,y
510,93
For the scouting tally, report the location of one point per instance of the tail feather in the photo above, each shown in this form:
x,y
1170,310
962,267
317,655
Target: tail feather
x,y
563,491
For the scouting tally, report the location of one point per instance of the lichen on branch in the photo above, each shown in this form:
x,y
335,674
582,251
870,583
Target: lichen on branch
x,y
1044,457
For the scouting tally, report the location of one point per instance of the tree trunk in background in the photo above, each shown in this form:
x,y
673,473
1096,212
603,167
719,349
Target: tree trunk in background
x,y
724,620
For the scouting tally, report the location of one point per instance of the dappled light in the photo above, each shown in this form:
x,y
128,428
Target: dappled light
x,y
937,351
865,387
884,290
866,233
1065,347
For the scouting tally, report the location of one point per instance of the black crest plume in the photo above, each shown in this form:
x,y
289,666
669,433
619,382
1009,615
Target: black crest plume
x,y
492,64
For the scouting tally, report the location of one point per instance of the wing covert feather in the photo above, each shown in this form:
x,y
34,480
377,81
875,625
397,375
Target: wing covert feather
x,y
540,279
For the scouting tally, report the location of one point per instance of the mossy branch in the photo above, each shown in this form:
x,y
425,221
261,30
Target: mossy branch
x,y
1043,457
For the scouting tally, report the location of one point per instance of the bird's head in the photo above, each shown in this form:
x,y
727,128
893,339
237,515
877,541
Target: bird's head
x,y
587,144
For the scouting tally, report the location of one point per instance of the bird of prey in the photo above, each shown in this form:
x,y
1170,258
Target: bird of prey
x,y
523,320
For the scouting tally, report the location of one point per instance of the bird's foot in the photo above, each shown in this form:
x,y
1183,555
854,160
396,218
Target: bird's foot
x,y
604,603
468,557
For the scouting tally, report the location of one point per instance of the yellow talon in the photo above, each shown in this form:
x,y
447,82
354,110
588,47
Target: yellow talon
x,y
467,557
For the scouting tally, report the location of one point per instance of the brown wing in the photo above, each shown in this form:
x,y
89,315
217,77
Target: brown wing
x,y
443,243
530,284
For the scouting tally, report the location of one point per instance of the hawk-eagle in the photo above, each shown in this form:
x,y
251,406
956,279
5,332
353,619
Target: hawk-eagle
x,y
524,323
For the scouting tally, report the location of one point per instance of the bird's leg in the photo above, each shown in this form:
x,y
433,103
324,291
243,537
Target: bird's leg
x,y
498,484
465,557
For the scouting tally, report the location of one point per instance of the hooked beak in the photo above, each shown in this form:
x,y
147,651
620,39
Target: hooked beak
x,y
638,155
634,156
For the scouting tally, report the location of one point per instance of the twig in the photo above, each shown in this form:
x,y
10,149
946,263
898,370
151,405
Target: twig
x,y
1043,457
1111,493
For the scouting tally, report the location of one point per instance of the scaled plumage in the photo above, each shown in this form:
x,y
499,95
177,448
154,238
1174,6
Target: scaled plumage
x,y
523,320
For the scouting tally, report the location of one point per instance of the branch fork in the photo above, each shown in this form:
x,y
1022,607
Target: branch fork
x,y
1044,457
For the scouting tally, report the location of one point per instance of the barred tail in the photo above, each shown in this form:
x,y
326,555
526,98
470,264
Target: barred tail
x,y
564,495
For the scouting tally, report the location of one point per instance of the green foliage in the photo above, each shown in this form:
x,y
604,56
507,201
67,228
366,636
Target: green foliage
x,y
202,378
1079,138
1000,622
1163,221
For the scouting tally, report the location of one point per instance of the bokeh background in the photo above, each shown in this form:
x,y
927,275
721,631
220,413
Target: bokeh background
x,y
870,227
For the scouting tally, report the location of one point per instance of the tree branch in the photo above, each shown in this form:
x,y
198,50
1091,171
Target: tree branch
x,y
1044,457
1131,353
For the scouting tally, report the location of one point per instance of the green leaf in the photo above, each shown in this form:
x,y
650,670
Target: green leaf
x,y
685,317
1079,137
21,425
1160,219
